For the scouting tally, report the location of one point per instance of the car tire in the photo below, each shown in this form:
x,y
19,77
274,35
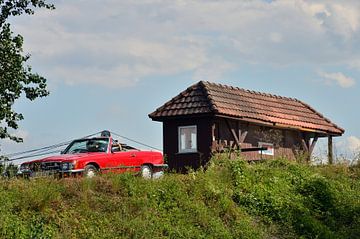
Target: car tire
x,y
146,172
90,171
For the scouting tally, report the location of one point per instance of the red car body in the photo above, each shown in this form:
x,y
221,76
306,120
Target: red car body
x,y
96,155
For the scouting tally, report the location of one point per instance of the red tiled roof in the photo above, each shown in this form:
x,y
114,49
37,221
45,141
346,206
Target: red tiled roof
x,y
211,98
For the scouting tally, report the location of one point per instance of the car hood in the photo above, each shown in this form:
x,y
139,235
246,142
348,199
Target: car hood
x,y
67,157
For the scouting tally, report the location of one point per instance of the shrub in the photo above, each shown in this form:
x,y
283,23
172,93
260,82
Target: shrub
x,y
231,199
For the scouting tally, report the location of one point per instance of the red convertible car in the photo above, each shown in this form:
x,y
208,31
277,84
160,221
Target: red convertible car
x,y
90,156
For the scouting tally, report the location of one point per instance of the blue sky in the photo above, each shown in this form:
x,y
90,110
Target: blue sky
x,y
109,63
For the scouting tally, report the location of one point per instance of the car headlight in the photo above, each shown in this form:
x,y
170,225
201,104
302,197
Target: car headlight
x,y
67,166
24,167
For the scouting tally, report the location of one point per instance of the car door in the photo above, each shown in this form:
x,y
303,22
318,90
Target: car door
x,y
123,161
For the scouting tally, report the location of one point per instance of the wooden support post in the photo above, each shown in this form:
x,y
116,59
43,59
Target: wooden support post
x,y
213,132
307,141
232,132
307,145
304,145
240,137
221,145
330,150
235,136
214,146
243,136
313,143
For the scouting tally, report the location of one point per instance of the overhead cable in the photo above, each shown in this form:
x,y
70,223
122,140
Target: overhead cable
x,y
47,150
135,141
34,155
41,151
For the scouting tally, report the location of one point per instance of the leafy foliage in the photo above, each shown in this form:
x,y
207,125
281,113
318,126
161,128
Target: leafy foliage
x,y
231,199
15,77
8,170
303,201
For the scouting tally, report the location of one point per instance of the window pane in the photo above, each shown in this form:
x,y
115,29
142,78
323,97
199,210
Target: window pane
x,y
269,146
193,139
182,141
187,139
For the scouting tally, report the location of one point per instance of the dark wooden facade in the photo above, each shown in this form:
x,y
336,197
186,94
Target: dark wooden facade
x,y
220,130
215,134
178,160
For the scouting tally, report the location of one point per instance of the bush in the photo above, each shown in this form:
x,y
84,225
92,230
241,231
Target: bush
x,y
231,199
299,199
8,171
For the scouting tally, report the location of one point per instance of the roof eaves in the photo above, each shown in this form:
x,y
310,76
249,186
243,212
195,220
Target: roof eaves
x,y
171,101
279,125
322,116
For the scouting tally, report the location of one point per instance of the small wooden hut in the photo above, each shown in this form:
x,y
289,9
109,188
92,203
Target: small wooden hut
x,y
208,118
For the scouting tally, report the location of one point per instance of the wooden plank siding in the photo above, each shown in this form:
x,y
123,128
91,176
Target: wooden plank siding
x,y
290,141
180,161
210,129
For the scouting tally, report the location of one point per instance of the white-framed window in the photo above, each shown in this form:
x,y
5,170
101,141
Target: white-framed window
x,y
187,139
269,146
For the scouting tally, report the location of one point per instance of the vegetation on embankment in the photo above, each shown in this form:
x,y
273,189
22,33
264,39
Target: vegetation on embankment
x,y
232,199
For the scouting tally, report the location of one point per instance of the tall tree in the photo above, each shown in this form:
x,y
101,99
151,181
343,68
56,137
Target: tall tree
x,y
16,77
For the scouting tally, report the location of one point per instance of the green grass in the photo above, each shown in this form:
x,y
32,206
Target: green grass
x,y
232,199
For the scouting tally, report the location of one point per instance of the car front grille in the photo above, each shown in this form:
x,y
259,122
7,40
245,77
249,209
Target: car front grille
x,y
45,166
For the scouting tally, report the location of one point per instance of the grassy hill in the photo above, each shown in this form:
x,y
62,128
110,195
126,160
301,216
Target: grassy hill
x,y
232,199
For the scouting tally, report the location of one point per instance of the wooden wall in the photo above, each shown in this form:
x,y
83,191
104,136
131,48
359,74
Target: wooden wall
x,y
179,161
286,141
210,129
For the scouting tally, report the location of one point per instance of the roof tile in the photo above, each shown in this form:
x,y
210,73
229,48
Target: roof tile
x,y
206,97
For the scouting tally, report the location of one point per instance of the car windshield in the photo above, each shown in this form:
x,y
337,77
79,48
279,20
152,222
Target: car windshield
x,y
87,145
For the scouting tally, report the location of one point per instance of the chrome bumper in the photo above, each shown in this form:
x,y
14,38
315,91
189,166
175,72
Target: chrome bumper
x,y
160,165
29,173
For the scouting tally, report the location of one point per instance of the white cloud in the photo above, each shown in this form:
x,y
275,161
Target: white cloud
x,y
348,146
7,145
276,37
17,133
117,43
339,18
355,64
346,149
339,78
353,143
346,19
212,70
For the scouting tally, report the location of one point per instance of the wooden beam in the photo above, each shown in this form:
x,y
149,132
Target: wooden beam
x,y
313,143
232,132
242,136
277,125
214,146
235,136
304,145
213,132
330,150
305,142
308,144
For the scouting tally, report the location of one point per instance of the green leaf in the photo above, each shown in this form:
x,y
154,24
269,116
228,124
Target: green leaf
x,y
16,78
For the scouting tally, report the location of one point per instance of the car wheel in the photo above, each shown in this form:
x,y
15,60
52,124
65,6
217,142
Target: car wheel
x,y
90,171
146,172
